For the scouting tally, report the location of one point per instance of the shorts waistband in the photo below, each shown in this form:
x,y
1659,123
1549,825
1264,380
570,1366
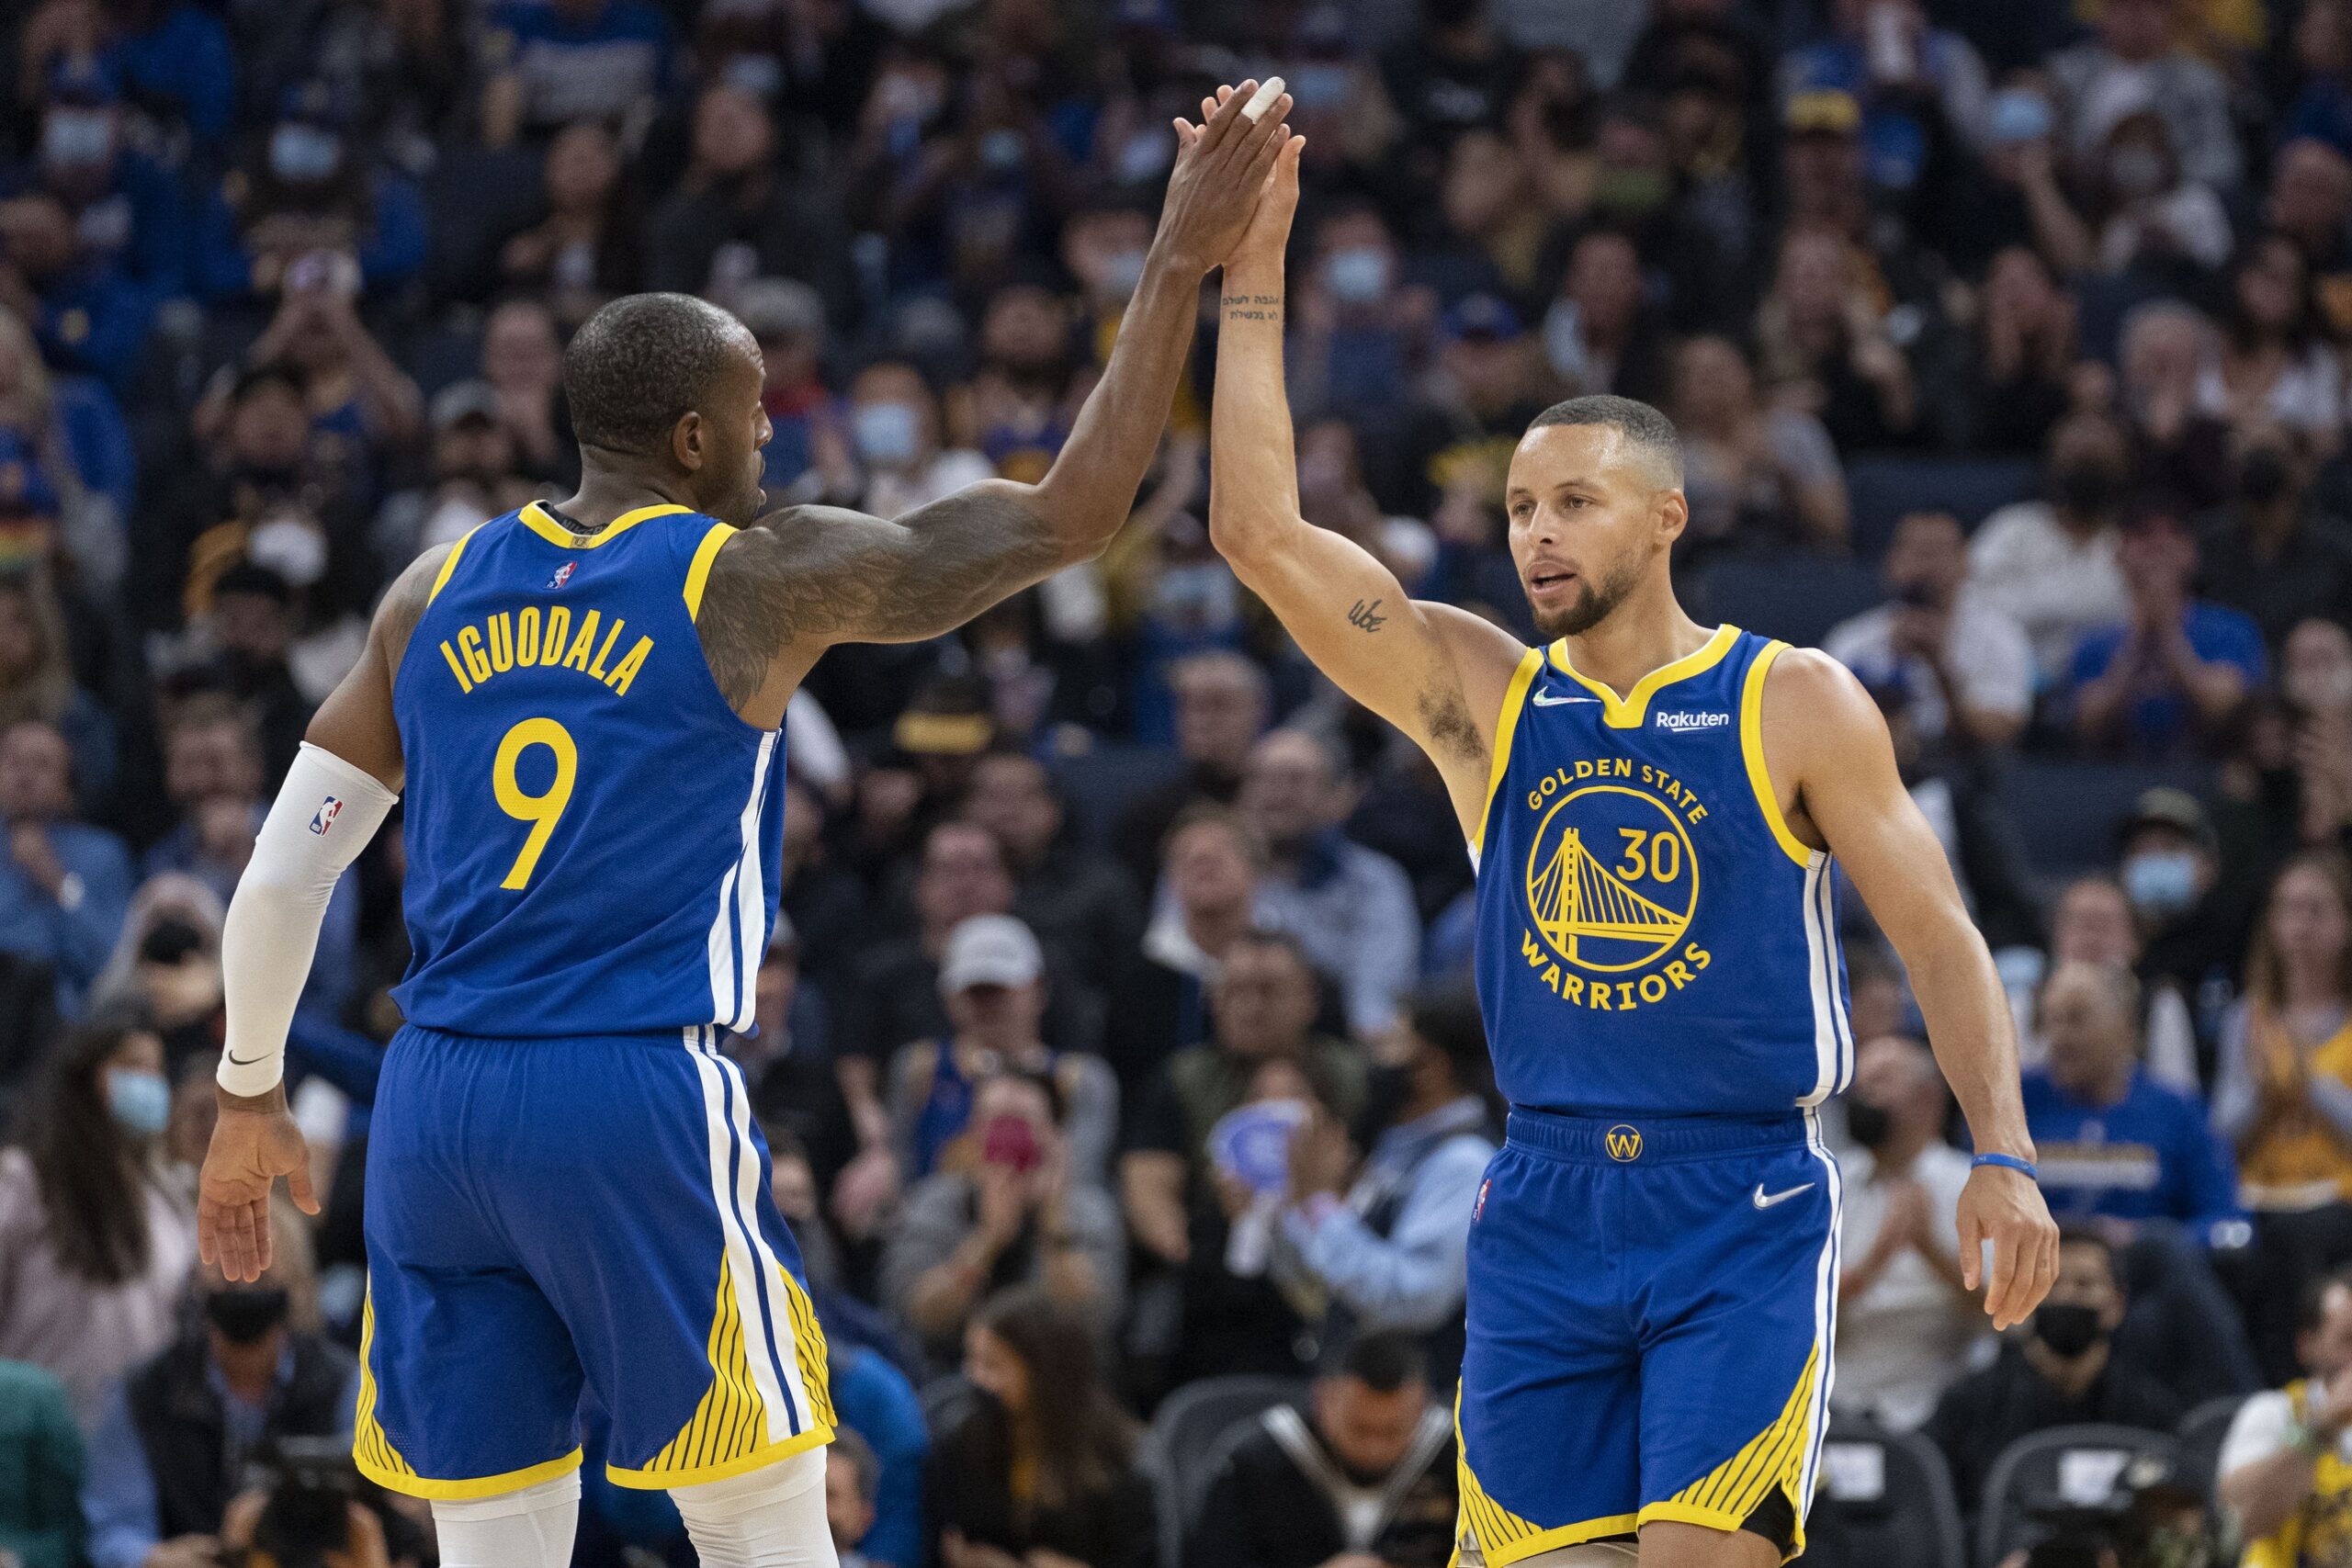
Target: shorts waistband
x,y
1628,1139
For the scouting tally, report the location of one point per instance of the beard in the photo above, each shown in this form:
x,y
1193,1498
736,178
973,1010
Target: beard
x,y
1592,603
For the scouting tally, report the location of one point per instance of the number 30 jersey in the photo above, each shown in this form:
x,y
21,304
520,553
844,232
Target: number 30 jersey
x,y
1652,938
592,834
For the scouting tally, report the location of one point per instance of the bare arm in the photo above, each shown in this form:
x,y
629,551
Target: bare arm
x,y
780,596
1436,673
1833,766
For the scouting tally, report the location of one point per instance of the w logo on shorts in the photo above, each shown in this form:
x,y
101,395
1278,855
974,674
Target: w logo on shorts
x,y
1623,1143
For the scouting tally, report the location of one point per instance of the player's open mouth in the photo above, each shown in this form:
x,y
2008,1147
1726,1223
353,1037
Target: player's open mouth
x,y
1548,578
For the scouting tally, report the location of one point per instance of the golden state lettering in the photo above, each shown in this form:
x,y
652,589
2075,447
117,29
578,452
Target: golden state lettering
x,y
519,640
1612,885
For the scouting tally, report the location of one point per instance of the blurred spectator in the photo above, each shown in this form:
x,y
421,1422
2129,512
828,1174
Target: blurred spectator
x,y
1381,1249
1453,75
2051,565
992,978
2277,364
570,60
2136,64
41,1515
1600,335
65,453
735,217
2169,402
2112,1141
2064,1373
894,430
1359,1472
588,247
166,965
87,315
851,1478
250,1367
1890,58
475,475
1040,1467
1213,861
1222,704
2025,355
1905,1323
1823,343
66,883
787,317
2309,200
1073,896
1360,323
1455,446
1350,907
2091,922
2169,865
2283,1465
524,365
93,1248
788,1067
127,208
879,1408
37,682
256,627
173,57
308,211
2147,216
2166,681
1017,1211
2272,553
1960,669
2315,682
1753,473
2284,1088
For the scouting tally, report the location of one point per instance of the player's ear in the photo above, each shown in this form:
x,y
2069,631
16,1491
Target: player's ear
x,y
1673,513
690,442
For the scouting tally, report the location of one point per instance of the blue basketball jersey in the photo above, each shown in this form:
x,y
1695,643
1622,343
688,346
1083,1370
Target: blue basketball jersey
x,y
1652,938
594,835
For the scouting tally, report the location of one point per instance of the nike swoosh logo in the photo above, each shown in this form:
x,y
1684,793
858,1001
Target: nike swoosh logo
x,y
1543,700
246,1061
1764,1202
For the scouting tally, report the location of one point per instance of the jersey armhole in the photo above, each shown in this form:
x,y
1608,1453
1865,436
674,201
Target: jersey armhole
x,y
449,563
1751,750
1506,729
699,570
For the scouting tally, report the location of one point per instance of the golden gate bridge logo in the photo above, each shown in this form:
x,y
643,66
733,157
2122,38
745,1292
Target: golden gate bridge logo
x,y
1612,881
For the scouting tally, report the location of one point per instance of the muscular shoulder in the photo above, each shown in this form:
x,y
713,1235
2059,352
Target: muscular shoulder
x,y
1812,698
404,603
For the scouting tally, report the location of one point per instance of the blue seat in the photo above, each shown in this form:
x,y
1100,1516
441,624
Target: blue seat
x,y
1882,486
1793,595
2066,812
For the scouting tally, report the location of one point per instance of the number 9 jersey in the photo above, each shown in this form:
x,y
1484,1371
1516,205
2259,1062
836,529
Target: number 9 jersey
x,y
592,834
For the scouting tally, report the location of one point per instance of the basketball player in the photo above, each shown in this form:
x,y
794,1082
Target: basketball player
x,y
564,1187
1651,804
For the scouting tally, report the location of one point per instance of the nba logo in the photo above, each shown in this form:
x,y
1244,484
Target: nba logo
x,y
1479,1208
328,809
563,574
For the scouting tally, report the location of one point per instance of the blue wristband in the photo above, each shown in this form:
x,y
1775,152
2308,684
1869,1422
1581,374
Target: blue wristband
x,y
2009,1162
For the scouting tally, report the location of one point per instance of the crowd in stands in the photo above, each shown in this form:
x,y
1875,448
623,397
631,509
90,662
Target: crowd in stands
x,y
1115,1037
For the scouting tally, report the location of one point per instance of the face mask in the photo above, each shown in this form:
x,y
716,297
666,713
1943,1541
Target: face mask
x,y
2164,883
2318,691
2262,475
2136,171
245,1315
76,138
303,154
2087,487
1357,275
1869,1125
2068,1328
296,551
885,433
1122,270
139,1102
1000,151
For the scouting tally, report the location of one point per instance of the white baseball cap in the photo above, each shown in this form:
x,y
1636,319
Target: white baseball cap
x,y
990,950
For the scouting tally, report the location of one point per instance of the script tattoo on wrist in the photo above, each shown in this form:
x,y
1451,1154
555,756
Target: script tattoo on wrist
x,y
1253,308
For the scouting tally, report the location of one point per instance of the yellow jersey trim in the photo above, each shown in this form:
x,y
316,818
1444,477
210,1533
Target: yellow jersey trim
x,y
1531,664
1630,711
662,1480
449,563
554,533
1751,750
698,573
1503,1537
478,1487
1715,1519
1773,1460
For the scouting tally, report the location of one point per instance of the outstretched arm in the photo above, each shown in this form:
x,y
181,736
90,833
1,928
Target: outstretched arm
x,y
1436,673
780,596
1826,749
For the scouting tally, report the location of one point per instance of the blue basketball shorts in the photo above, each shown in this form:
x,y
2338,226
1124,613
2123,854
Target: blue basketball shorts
x,y
1651,1308
548,1214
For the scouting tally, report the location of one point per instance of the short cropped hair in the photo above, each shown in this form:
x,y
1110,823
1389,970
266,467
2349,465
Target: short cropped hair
x,y
643,362
1645,428
1383,1362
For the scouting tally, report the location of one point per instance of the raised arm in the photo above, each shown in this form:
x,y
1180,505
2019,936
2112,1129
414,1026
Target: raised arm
x,y
1436,673
779,595
1833,767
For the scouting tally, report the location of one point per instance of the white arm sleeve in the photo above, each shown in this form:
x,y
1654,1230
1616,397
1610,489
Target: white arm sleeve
x,y
324,815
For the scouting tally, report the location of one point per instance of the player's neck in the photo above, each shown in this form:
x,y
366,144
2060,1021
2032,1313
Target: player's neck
x,y
606,493
1649,631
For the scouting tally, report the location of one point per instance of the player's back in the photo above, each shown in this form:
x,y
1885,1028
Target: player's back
x,y
591,833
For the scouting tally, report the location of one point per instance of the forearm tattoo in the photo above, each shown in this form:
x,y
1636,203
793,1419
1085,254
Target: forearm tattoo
x,y
819,575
